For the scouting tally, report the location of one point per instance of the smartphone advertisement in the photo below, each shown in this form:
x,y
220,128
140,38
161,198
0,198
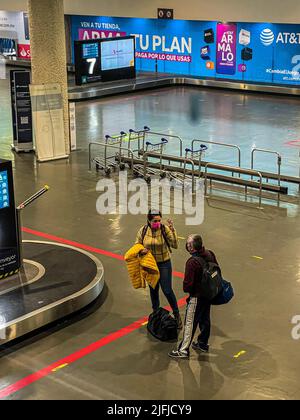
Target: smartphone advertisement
x,y
249,52
9,248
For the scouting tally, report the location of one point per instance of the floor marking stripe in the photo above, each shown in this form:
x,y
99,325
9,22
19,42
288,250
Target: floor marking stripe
x,y
241,353
72,358
60,367
83,246
72,243
292,143
80,354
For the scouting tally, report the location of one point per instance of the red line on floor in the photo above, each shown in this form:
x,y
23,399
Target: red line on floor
x,y
72,243
72,358
82,246
293,143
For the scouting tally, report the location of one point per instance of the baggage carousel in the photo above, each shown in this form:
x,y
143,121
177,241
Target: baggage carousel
x,y
55,281
152,80
146,80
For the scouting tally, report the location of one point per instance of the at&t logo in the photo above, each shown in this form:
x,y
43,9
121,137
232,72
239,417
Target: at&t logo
x,y
267,37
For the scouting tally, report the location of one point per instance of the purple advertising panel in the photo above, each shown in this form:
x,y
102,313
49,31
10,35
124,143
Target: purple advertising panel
x,y
226,48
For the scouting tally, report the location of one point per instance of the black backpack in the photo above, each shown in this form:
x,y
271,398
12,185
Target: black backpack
x,y
212,281
162,325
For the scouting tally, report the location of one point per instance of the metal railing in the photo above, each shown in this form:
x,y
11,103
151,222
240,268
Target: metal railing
x,y
279,162
237,170
231,146
19,210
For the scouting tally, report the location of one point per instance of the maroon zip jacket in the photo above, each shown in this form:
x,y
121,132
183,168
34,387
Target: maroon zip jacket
x,y
194,272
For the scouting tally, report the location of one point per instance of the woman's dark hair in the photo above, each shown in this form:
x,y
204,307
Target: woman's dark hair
x,y
152,213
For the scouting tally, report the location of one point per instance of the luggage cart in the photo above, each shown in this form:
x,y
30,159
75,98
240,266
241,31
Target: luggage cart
x,y
190,155
144,170
196,154
109,163
139,136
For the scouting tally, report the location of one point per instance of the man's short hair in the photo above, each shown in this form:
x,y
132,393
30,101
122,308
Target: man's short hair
x,y
197,242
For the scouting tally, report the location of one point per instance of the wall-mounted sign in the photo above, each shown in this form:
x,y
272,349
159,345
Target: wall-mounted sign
x,y
165,13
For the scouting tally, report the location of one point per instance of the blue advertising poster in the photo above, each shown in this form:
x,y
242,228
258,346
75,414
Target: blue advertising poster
x,y
254,52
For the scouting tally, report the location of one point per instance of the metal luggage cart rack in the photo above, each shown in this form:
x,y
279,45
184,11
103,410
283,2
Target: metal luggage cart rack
x,y
109,163
237,170
180,176
118,157
144,170
212,176
149,159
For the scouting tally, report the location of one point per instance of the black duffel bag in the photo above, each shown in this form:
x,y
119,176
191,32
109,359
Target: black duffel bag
x,y
162,325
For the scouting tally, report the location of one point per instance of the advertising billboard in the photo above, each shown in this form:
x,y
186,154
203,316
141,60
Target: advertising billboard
x,y
14,35
253,52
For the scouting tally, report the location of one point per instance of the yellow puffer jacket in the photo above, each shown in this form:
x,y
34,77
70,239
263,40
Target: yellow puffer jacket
x,y
141,269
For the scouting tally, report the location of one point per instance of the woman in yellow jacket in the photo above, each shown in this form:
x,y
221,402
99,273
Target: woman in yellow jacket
x,y
159,239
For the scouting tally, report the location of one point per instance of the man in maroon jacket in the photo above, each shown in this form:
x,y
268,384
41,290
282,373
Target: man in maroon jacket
x,y
198,308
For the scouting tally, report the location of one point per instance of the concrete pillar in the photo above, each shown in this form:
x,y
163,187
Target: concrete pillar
x,y
48,49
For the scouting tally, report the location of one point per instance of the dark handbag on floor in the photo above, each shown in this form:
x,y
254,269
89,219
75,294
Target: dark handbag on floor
x,y
225,296
162,325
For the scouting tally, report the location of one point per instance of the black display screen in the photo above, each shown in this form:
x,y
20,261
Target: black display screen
x,y
87,62
105,60
9,239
